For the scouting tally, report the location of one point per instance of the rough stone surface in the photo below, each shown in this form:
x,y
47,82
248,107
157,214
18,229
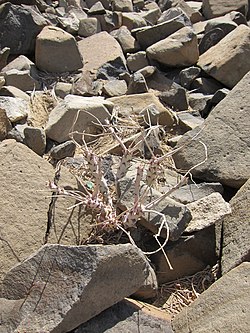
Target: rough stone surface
x,y
16,108
236,228
5,125
57,51
128,316
224,304
115,88
233,51
179,49
134,104
214,8
79,282
74,113
65,149
225,135
35,139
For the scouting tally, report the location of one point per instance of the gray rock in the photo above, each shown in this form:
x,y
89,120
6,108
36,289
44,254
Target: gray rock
x,y
179,49
199,101
188,120
151,16
137,84
175,97
125,39
5,125
188,75
89,26
4,54
65,286
207,86
211,38
11,91
224,23
128,316
226,137
76,113
35,139
215,8
63,89
17,133
122,5
236,229
57,51
16,108
97,9
225,304
136,61
133,20
233,51
65,149
115,88
19,28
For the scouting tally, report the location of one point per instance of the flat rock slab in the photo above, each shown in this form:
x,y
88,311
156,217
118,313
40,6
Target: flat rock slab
x,y
222,308
226,136
65,286
236,231
128,316
231,53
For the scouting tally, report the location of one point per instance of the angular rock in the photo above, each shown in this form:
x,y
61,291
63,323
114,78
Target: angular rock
x,y
65,149
19,28
76,113
35,139
16,108
150,35
11,91
97,9
214,8
122,5
225,304
137,84
57,51
136,61
199,101
134,104
21,80
89,26
193,13
188,120
152,15
4,54
233,51
5,125
128,316
65,286
188,75
115,88
101,49
175,97
224,23
133,20
63,89
206,86
179,50
210,39
126,40
236,229
225,135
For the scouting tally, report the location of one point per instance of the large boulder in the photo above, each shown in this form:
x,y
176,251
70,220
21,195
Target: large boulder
x,y
226,136
231,53
179,49
77,113
65,286
214,8
221,308
19,28
57,51
236,230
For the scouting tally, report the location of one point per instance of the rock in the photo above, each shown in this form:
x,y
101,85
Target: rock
x,y
35,139
188,75
5,125
136,61
188,121
65,286
189,255
25,202
133,20
238,17
235,244
175,97
125,39
177,215
224,303
193,13
65,149
97,9
115,88
214,8
4,54
231,52
123,317
224,23
134,104
206,86
152,15
122,5
226,138
19,28
211,38
193,192
57,51
16,108
90,3
148,36
17,133
2,82
99,50
11,91
137,84
179,49
89,26
207,211
63,89
76,113
199,101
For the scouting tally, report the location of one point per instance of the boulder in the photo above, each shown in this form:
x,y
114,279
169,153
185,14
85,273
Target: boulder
x,y
76,113
89,26
16,108
5,124
178,50
221,308
236,229
19,28
128,316
65,286
225,135
233,51
57,51
134,104
125,39
215,8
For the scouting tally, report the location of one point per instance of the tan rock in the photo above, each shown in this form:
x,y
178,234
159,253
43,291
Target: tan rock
x,y
214,8
57,51
231,53
179,49
5,125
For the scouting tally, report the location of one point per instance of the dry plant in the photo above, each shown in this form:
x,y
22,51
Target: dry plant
x,y
100,199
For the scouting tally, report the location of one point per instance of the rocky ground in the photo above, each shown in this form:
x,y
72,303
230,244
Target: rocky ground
x,y
124,166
